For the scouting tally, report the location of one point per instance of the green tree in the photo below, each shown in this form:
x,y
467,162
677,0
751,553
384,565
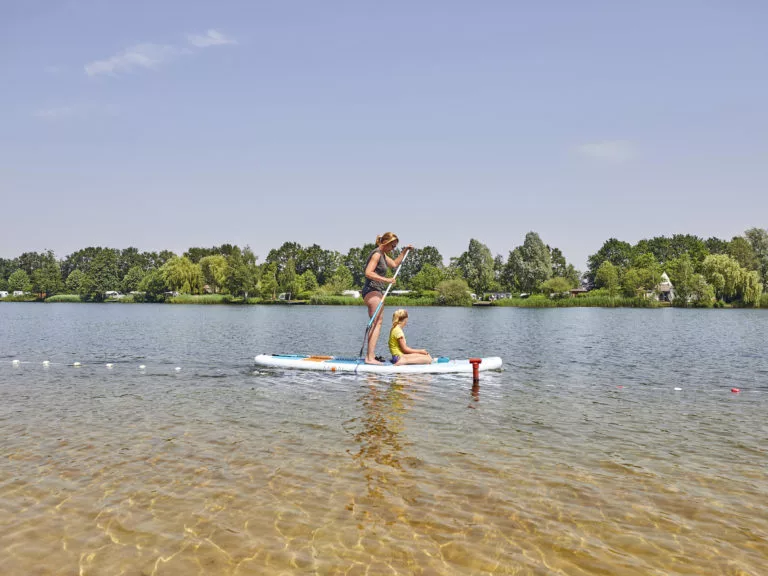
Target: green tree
x,y
31,261
427,278
309,281
289,251
643,276
3,283
84,259
183,275
607,276
614,251
76,281
19,281
681,274
741,250
415,262
288,280
724,274
355,261
758,239
197,254
46,279
691,289
454,293
528,265
341,280
243,273
153,285
268,283
215,269
133,278
102,276
476,265
159,259
716,245
689,244
131,258
321,262
751,288
7,267
559,264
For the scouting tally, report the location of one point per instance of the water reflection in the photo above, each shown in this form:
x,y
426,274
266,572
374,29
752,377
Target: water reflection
x,y
383,406
475,393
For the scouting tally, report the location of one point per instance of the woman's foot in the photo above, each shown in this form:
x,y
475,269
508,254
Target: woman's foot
x,y
372,361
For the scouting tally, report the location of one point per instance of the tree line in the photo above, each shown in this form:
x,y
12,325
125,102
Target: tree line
x,y
702,271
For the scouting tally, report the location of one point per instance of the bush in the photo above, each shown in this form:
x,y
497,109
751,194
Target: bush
x,y
64,298
764,301
556,287
454,293
202,299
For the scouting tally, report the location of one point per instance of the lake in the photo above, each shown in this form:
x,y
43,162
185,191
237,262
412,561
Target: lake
x,y
610,443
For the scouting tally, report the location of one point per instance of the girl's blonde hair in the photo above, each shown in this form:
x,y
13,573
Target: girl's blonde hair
x,y
386,238
398,317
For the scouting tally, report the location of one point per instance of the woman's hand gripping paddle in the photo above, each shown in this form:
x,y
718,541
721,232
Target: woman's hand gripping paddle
x,y
378,308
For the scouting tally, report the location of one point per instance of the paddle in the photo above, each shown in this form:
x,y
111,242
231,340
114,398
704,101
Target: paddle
x,y
378,308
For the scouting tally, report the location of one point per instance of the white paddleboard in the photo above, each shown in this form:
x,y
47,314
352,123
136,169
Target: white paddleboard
x,y
358,365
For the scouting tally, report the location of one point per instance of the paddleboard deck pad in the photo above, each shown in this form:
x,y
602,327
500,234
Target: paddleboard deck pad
x,y
340,364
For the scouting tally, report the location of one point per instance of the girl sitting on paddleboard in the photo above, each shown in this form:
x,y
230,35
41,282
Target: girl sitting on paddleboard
x,y
375,281
401,352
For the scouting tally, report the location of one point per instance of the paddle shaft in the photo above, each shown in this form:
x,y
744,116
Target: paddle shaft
x,y
381,303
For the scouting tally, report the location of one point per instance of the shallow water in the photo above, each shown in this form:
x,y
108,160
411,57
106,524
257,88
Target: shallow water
x,y
580,457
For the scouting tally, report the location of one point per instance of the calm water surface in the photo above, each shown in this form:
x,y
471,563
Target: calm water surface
x,y
580,457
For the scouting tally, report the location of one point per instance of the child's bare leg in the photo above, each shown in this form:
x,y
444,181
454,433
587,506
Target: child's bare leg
x,y
414,359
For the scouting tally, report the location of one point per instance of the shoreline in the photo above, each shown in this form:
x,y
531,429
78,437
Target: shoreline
x,y
577,302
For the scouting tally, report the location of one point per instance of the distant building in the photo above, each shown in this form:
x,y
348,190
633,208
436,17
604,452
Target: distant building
x,y
665,292
578,291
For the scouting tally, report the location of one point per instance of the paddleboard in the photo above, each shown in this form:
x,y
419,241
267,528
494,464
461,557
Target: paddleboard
x,y
358,365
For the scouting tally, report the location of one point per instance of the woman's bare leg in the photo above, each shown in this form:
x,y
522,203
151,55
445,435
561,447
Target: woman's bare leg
x,y
372,299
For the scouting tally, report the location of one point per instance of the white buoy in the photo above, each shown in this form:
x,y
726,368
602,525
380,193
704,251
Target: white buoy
x,y
76,364
178,368
16,362
110,365
142,367
678,389
46,362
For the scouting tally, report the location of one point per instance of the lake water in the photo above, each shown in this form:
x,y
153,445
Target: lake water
x,y
580,457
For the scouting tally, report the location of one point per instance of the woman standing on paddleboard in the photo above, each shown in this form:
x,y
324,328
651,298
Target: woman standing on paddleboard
x,y
375,281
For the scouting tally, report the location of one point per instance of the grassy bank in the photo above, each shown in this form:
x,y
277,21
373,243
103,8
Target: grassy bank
x,y
541,301
204,299
27,298
535,301
64,298
326,300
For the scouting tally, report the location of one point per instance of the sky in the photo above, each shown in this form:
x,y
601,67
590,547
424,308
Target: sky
x,y
166,124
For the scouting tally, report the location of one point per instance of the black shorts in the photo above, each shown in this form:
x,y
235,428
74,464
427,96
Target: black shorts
x,y
367,289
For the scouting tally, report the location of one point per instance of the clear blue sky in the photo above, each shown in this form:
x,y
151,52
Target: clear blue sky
x,y
169,124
